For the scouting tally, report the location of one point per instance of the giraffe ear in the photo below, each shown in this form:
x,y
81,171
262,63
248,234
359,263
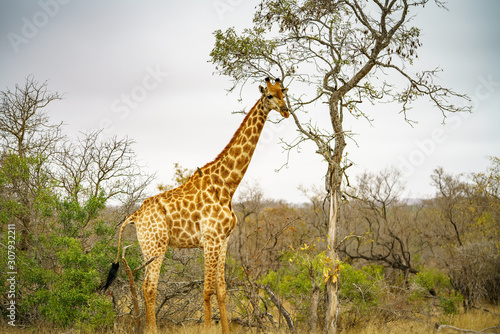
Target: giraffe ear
x,y
284,90
262,89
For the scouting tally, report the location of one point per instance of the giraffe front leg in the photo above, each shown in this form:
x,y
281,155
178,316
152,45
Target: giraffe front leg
x,y
221,288
149,288
211,261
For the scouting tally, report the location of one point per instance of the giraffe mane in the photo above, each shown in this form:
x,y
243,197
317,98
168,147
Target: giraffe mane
x,y
231,142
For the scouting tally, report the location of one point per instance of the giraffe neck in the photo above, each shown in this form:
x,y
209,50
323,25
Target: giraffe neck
x,y
229,167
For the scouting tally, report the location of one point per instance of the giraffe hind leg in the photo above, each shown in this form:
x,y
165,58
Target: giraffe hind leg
x,y
149,288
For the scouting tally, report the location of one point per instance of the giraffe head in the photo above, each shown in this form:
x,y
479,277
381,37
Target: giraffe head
x,y
273,97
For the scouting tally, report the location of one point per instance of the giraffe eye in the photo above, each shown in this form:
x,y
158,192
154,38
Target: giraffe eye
x,y
269,97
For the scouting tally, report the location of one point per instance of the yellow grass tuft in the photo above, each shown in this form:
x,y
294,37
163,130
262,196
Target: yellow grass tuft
x,y
477,320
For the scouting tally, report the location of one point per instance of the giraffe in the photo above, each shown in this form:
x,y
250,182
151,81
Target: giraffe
x,y
199,214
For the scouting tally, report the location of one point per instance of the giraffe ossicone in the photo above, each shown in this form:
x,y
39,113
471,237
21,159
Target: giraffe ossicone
x,y
199,214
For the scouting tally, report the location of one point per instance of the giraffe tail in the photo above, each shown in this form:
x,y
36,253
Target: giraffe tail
x,y
115,265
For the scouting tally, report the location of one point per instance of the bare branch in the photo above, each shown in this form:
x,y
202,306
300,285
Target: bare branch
x,y
145,264
439,327
132,289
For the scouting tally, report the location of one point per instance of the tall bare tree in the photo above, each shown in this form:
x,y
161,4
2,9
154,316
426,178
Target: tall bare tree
x,y
465,213
351,51
93,164
386,225
25,127
27,142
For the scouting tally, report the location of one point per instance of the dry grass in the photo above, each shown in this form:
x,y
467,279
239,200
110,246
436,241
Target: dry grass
x,y
476,320
395,327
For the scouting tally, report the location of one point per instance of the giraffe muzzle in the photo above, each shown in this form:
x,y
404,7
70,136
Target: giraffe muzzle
x,y
284,112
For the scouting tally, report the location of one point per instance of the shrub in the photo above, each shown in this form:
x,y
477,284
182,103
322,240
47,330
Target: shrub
x,y
358,287
431,281
475,272
67,295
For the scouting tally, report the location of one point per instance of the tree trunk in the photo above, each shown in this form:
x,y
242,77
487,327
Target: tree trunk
x,y
333,184
313,310
332,288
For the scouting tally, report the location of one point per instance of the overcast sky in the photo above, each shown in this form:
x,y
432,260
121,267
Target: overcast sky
x,y
156,52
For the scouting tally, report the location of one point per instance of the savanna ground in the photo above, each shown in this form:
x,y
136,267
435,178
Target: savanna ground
x,y
475,320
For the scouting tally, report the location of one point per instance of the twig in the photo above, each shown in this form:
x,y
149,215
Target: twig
x,y
182,290
485,310
145,263
130,274
346,238
439,327
246,323
132,289
281,308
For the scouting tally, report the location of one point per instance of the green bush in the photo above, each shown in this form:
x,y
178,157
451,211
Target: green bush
x,y
58,275
374,272
301,267
431,281
359,287
451,305
67,295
